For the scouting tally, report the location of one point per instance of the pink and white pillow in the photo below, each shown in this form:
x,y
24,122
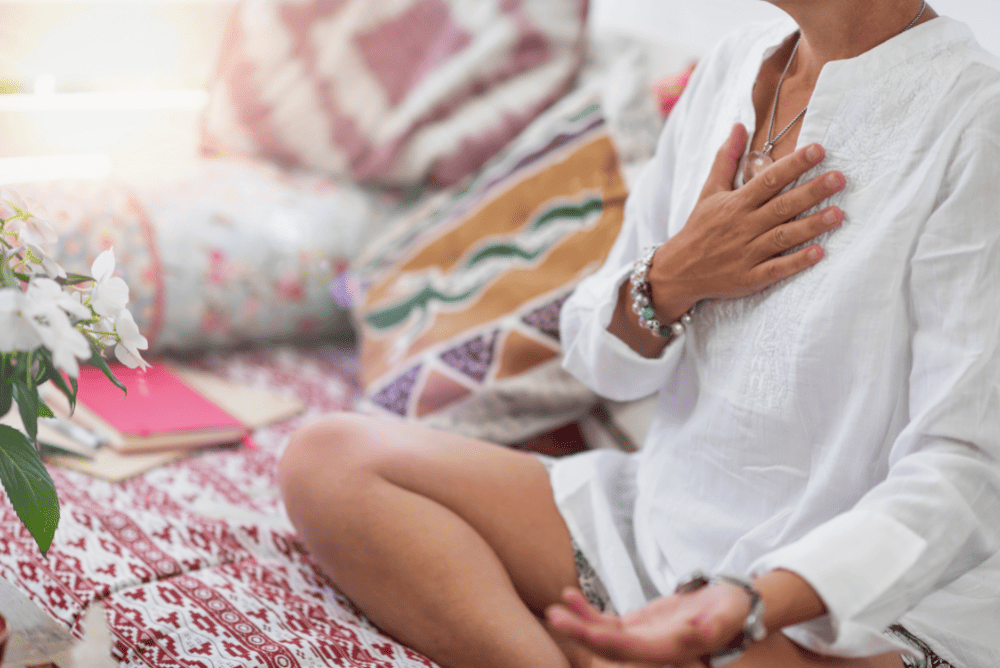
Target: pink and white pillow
x,y
396,92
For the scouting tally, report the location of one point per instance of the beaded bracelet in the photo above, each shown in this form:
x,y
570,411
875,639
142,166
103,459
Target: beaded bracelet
x,y
642,300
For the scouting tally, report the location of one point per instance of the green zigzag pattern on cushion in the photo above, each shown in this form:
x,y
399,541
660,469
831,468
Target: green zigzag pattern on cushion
x,y
391,316
594,205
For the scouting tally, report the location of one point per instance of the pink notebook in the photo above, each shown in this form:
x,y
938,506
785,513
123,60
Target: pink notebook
x,y
159,412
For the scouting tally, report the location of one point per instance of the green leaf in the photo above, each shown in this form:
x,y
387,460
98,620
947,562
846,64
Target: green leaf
x,y
98,360
6,397
56,377
7,277
29,486
73,279
22,361
44,411
27,403
41,363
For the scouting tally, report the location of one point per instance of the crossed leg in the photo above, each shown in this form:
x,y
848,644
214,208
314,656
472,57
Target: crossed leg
x,y
453,546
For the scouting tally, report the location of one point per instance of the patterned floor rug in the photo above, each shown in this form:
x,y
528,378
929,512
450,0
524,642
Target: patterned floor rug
x,y
195,562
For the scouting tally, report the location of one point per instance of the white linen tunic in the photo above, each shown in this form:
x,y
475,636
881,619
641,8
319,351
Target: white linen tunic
x,y
845,423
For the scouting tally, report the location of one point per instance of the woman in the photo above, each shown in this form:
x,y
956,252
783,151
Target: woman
x,y
828,423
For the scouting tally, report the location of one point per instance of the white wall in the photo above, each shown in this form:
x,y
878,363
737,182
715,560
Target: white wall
x,y
697,24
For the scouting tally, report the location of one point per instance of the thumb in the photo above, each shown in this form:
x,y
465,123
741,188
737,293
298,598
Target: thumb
x,y
727,161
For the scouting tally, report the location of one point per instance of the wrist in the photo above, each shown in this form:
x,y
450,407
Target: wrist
x,y
643,305
788,598
671,298
625,325
766,605
742,624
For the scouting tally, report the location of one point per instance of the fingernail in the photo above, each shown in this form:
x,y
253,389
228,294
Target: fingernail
x,y
833,180
813,153
813,254
831,217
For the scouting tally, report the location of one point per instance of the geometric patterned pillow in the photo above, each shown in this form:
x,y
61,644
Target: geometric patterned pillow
x,y
459,320
397,92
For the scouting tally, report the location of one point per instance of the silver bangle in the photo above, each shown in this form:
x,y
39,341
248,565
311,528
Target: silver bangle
x,y
642,300
753,627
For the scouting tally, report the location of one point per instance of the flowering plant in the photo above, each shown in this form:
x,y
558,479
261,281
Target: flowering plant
x,y
50,322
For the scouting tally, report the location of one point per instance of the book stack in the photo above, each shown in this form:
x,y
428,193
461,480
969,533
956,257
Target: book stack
x,y
167,413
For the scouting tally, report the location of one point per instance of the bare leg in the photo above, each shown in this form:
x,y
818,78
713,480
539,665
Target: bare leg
x,y
778,651
453,546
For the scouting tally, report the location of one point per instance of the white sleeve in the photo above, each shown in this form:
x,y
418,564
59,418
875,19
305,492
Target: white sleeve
x,y
593,355
937,514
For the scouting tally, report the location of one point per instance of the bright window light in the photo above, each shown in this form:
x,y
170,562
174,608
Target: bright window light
x,y
43,168
153,99
45,84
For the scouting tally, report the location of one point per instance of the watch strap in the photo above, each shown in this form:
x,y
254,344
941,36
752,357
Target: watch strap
x,y
753,627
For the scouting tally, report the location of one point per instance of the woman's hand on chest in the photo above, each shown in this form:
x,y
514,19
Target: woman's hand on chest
x,y
736,242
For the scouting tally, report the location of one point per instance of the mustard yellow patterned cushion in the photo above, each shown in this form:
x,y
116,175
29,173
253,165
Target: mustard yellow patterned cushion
x,y
459,319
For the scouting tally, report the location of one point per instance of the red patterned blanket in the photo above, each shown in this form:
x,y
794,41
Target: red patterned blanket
x,y
196,562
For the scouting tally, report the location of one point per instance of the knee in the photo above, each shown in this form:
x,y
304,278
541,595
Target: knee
x,y
323,460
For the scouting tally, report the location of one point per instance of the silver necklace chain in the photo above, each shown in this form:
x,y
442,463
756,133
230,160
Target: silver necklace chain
x,y
774,107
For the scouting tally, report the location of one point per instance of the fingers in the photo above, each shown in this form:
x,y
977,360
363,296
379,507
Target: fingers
x,y
606,637
582,627
578,603
777,177
577,614
784,237
727,161
578,619
784,266
788,205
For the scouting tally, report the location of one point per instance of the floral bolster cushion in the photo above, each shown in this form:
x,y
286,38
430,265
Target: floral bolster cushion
x,y
247,251
459,312
218,252
398,91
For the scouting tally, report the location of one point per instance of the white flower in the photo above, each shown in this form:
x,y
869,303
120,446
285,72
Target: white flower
x,y
37,262
132,342
6,210
105,325
58,334
46,265
46,290
103,331
16,331
9,202
36,230
110,293
12,197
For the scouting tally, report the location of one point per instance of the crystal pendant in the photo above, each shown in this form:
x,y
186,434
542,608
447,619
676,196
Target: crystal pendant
x,y
752,165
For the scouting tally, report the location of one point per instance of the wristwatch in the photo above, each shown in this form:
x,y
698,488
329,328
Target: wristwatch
x,y
753,627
